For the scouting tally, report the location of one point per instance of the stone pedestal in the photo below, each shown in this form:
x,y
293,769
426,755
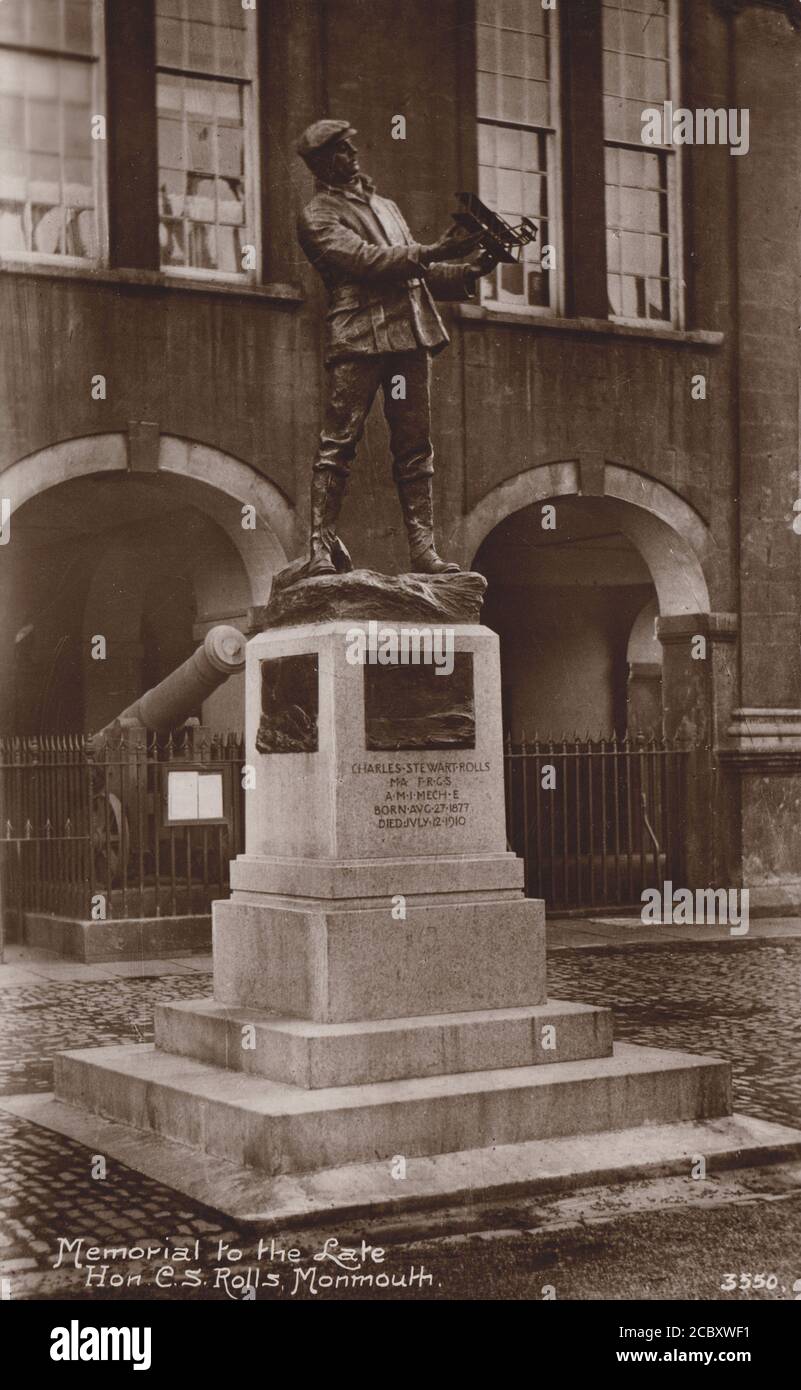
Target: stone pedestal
x,y
379,976
376,881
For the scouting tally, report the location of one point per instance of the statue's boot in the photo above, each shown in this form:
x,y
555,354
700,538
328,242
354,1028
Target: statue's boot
x,y
417,502
327,554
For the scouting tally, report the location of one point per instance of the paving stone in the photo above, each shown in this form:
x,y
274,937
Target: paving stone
x,y
740,1004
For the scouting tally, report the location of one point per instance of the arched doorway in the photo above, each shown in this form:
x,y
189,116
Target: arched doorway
x,y
575,584
144,560
565,590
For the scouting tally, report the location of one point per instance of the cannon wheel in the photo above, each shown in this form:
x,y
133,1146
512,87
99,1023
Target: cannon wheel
x,y
110,836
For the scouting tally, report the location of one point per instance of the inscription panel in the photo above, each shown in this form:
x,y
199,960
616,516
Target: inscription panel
x,y
419,707
420,794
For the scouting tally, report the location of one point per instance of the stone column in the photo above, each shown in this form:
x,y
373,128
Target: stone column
x,y
764,764
698,687
764,760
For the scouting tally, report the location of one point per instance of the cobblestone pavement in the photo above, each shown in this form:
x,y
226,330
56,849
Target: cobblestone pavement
x,y
743,1004
36,1021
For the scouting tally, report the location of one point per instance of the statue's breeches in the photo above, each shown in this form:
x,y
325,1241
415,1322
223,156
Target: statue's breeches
x,y
353,383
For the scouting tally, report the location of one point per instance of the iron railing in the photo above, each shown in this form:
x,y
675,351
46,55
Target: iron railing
x,y
596,821
86,831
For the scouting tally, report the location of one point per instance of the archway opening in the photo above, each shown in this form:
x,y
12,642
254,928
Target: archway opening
x,y
113,579
566,588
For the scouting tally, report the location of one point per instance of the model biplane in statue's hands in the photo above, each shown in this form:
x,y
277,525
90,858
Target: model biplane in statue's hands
x,y
497,236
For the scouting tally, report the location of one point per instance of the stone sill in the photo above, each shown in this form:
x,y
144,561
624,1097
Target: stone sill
x,y
155,279
605,328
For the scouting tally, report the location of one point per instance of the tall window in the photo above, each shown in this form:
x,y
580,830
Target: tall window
x,y
518,142
642,194
206,111
51,142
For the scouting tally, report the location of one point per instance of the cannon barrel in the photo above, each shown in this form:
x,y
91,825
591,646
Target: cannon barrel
x,y
170,703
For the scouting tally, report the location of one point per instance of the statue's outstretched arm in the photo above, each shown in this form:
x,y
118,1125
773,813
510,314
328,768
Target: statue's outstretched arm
x,y
330,245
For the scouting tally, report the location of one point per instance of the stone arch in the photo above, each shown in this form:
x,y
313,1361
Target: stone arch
x,y
231,571
671,537
212,471
218,484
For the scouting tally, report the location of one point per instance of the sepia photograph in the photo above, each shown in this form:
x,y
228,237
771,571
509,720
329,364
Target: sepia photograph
x,y
400,669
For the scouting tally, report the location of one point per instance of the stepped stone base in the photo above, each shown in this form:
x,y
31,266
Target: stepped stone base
x,y
368,1191
253,1122
297,1052
345,1035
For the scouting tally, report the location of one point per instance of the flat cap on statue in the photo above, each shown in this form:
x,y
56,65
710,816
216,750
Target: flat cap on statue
x,y
319,134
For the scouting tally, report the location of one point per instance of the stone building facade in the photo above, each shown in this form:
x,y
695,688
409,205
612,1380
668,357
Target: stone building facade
x,y
616,422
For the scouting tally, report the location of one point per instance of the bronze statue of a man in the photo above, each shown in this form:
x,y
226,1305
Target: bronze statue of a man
x,y
382,324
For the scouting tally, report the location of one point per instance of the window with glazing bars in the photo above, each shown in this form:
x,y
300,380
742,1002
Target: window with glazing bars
x,y
206,141
642,182
518,143
52,146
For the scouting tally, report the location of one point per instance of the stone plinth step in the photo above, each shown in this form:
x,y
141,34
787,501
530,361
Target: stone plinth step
x,y
368,1191
298,1052
258,1123
370,882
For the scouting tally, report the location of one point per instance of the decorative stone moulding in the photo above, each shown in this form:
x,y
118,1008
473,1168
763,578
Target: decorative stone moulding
x,y
766,739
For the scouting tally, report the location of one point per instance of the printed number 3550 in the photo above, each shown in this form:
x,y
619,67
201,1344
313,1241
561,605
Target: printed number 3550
x,y
749,1281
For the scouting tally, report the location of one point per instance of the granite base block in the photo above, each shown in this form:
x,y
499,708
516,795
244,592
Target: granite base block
x,y
334,966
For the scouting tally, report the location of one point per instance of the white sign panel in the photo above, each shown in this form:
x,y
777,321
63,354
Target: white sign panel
x,y
194,796
209,796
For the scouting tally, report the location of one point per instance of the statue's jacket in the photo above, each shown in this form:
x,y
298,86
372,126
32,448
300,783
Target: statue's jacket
x,y
380,298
